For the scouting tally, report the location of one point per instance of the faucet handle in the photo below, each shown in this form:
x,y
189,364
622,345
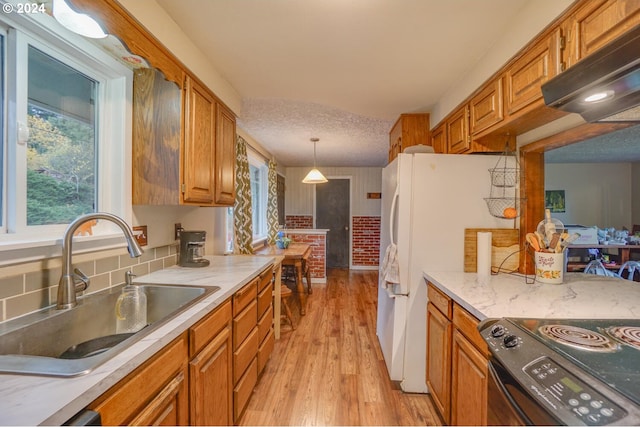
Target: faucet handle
x,y
84,280
128,277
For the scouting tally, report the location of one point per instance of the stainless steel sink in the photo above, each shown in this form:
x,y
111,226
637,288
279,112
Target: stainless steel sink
x,y
73,342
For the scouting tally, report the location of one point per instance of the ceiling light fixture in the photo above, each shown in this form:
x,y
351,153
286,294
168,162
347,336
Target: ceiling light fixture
x,y
314,176
79,23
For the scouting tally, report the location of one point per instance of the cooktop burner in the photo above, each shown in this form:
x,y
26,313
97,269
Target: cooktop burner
x,y
581,338
629,335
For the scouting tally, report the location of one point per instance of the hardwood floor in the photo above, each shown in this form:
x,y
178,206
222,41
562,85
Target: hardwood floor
x,y
330,370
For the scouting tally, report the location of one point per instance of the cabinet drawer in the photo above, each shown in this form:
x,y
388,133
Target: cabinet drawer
x,y
264,324
202,332
265,350
265,278
243,356
244,388
468,324
145,383
244,296
439,300
244,323
264,299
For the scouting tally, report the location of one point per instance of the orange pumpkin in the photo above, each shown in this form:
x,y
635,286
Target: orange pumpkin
x,y
510,213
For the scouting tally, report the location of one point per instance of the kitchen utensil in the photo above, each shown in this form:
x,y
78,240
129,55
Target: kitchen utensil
x,y
554,242
568,240
541,240
548,226
533,241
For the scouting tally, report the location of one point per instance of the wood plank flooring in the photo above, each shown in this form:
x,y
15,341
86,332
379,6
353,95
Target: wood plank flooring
x,y
330,370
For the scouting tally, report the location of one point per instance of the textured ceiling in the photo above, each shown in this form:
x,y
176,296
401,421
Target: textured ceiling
x,y
620,146
339,70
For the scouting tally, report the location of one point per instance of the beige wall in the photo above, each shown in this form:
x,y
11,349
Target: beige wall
x,y
299,197
596,193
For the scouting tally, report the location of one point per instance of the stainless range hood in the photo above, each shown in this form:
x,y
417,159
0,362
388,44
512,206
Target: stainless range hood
x,y
603,87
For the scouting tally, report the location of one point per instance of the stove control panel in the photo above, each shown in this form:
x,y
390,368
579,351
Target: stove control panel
x,y
588,405
568,393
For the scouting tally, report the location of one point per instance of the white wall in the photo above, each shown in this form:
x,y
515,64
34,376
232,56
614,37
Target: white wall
x,y
299,197
595,193
531,20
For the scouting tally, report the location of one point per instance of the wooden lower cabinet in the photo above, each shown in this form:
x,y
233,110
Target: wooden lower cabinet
x,y
206,376
439,330
457,364
469,378
211,382
156,393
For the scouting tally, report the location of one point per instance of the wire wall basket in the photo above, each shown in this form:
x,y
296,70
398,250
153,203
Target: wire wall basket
x,y
503,201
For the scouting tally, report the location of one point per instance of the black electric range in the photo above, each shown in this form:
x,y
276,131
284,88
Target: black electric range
x,y
581,372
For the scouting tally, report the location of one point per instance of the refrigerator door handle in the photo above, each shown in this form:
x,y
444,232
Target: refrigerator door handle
x,y
392,218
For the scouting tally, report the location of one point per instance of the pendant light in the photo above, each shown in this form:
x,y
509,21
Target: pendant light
x,y
314,176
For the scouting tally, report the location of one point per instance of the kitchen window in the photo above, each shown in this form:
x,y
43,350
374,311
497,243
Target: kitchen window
x,y
66,130
259,193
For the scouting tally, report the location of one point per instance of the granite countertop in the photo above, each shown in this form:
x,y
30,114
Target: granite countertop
x,y
581,296
34,400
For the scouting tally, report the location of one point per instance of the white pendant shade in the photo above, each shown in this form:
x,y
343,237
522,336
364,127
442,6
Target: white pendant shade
x,y
314,177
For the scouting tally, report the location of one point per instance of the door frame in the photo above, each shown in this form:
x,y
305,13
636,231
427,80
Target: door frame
x,y
315,213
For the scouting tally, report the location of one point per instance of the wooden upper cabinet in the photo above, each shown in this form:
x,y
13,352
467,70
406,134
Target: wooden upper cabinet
x,y
597,23
199,144
225,161
409,129
486,107
458,138
157,128
439,139
525,76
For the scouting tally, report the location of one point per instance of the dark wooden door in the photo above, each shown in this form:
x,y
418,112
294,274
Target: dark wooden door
x,y
333,213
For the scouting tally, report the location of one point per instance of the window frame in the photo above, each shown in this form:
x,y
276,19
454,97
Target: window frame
x,y
260,163
19,242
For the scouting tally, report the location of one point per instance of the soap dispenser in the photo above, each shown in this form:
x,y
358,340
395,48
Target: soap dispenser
x,y
131,307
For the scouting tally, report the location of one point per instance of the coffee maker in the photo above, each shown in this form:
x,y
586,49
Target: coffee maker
x,y
192,249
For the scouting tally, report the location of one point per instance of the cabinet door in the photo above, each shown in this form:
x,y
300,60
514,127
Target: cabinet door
x,y
439,330
527,74
458,137
225,162
469,383
486,107
439,139
211,387
169,407
598,23
156,139
199,144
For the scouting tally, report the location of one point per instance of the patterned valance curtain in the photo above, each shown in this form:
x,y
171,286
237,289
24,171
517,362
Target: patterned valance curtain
x,y
272,203
243,236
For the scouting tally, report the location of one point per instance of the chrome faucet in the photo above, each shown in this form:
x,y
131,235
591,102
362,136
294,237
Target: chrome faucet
x,y
71,283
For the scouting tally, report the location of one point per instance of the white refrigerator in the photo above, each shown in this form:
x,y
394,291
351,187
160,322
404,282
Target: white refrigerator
x,y
427,202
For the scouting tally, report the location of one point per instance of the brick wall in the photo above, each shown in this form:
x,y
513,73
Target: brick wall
x,y
318,261
366,241
298,221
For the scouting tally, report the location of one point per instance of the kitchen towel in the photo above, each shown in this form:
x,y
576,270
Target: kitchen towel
x,y
389,269
484,257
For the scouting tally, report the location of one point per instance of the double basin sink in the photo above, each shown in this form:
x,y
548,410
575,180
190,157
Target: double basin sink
x,y
67,343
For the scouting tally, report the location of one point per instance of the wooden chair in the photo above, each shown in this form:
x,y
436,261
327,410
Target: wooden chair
x,y
285,293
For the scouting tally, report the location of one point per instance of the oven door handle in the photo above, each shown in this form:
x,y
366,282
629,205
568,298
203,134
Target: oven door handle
x,y
500,380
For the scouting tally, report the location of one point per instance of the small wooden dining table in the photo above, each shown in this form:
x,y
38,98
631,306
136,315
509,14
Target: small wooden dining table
x,y
295,255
